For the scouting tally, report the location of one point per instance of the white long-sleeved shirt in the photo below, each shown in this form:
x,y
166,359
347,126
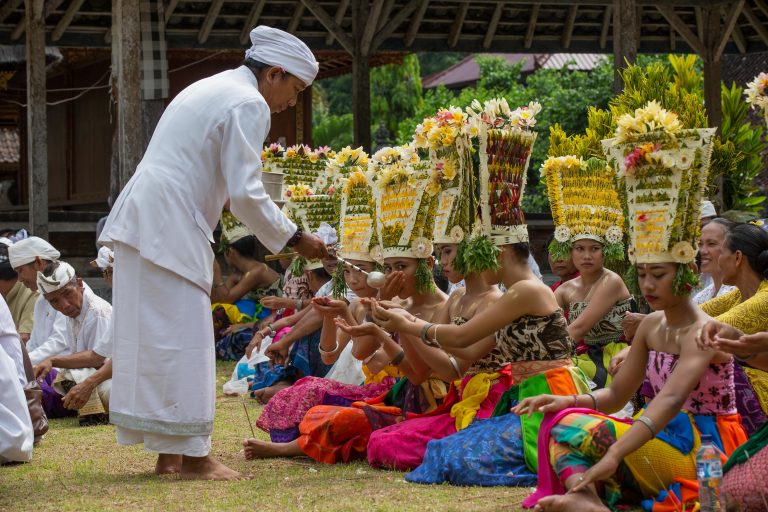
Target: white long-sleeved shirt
x,y
49,333
205,148
91,329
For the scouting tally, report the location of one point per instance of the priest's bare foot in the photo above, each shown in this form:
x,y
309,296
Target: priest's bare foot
x,y
264,395
207,468
168,464
255,449
583,501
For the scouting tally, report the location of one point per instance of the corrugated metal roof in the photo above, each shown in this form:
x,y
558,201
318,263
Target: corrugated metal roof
x,y
467,72
9,145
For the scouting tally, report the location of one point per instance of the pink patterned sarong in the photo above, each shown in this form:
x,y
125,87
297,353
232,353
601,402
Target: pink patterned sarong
x,y
283,413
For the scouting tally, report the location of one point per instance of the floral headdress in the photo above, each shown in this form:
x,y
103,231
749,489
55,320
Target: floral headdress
x,y
584,204
446,138
757,93
405,210
505,145
358,220
232,230
300,165
664,170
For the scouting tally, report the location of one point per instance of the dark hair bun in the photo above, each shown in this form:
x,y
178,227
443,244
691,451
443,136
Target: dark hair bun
x,y
762,263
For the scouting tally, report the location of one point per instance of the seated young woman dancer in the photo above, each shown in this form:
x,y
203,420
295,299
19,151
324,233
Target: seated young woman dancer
x,y
283,413
335,433
530,333
588,229
402,445
587,448
597,458
294,344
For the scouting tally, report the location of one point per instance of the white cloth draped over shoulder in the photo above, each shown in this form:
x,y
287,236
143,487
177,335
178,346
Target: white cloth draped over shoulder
x,y
16,435
91,329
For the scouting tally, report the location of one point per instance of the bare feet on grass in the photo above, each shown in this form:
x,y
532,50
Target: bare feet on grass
x,y
583,501
263,395
168,464
255,449
207,468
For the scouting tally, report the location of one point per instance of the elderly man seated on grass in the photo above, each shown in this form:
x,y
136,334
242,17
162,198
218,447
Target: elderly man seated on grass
x,y
85,375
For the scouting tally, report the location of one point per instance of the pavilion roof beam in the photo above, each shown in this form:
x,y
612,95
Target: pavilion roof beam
x,y
458,22
8,8
570,21
330,25
338,18
762,5
395,22
606,27
413,28
296,18
699,22
210,19
169,10
672,39
682,28
69,15
528,42
370,26
250,22
756,23
730,23
385,13
492,26
50,6
737,35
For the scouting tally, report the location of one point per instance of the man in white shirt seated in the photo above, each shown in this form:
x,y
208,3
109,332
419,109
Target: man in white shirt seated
x,y
85,374
48,337
16,435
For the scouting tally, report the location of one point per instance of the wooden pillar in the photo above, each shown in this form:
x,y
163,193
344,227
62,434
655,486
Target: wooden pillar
x,y
712,69
37,133
626,36
126,52
361,79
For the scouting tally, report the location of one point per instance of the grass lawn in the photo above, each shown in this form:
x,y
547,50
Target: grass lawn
x,y
78,468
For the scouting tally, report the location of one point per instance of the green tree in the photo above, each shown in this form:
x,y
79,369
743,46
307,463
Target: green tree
x,y
395,94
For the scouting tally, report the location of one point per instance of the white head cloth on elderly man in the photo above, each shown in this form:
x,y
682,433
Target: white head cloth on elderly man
x,y
277,48
62,275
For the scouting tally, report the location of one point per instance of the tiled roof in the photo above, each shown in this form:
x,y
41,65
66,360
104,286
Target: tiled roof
x,y
467,72
9,145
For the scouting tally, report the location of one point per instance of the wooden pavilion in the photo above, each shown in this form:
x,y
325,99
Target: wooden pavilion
x,y
141,39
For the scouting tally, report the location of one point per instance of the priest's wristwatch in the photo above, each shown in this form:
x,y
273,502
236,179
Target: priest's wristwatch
x,y
295,238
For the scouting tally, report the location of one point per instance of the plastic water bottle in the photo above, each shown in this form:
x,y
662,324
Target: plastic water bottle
x,y
709,473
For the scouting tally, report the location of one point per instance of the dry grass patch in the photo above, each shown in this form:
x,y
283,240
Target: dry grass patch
x,y
83,469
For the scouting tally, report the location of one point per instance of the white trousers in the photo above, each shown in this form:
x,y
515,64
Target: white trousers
x,y
164,367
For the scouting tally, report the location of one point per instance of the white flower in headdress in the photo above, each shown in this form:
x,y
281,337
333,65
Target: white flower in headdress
x,y
456,234
562,233
683,252
376,253
613,235
422,247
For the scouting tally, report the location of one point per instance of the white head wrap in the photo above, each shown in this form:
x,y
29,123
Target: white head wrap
x,y
327,234
708,209
25,251
105,258
61,277
277,48
6,241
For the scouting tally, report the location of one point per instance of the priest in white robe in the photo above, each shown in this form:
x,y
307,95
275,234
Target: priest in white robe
x,y
89,320
205,150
